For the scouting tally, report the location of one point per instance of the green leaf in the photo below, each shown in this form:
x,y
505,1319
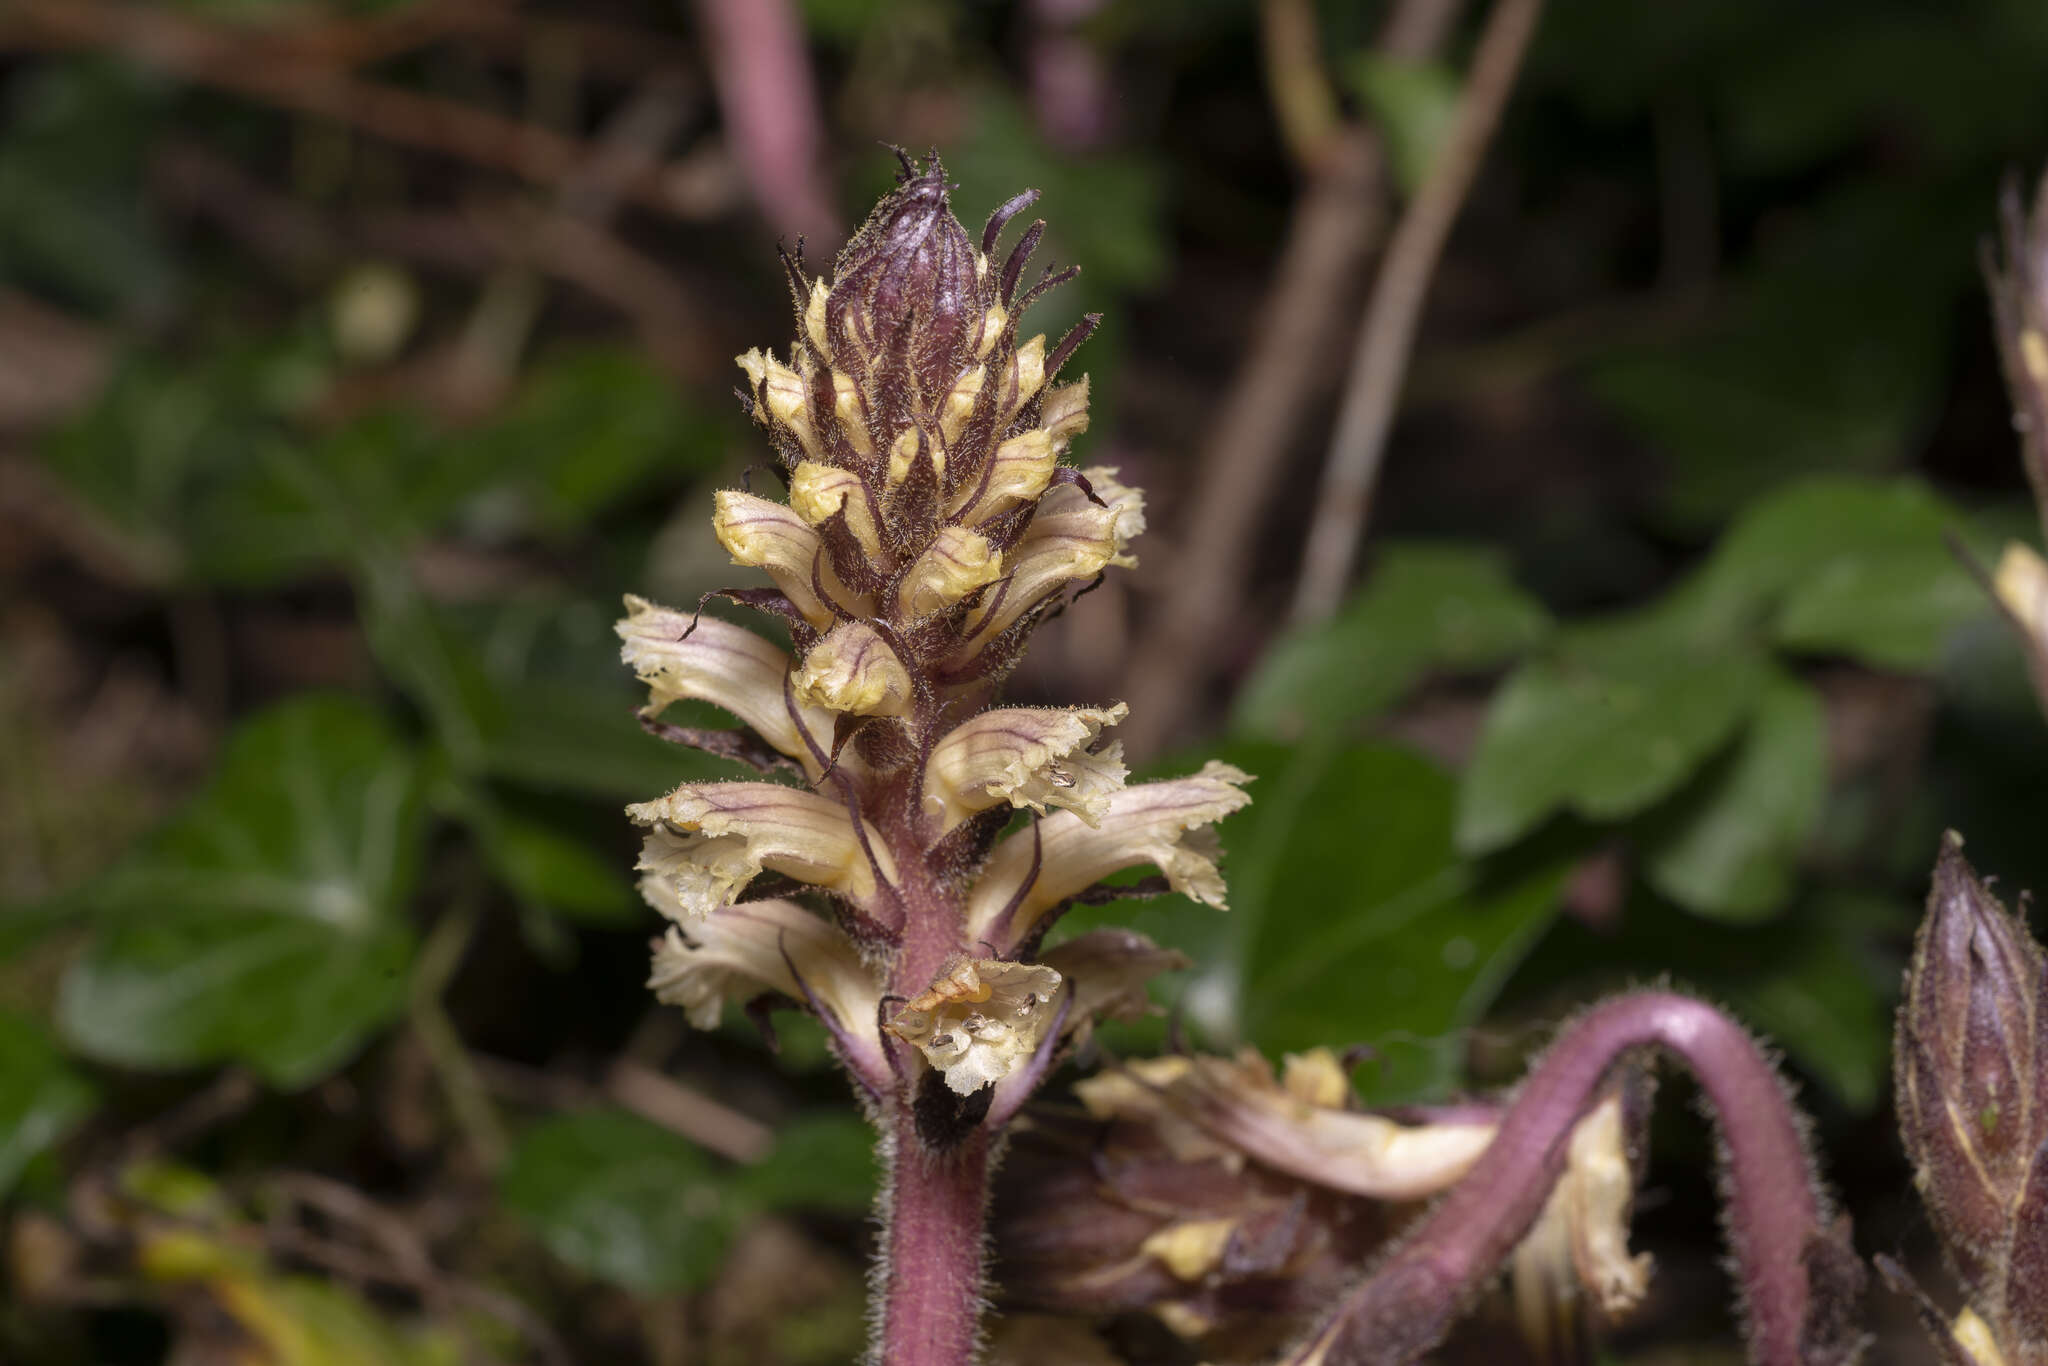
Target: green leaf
x,y
73,209
822,1161
1425,607
1615,719
1413,104
1352,917
586,427
1370,928
41,1097
265,923
544,867
1893,612
623,1200
532,694
1728,845
1819,994
1857,567
1801,366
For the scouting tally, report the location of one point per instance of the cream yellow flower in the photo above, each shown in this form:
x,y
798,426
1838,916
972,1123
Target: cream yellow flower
x,y
854,670
1018,472
980,1020
768,535
1165,824
2021,583
738,952
819,491
1071,539
1579,1244
709,840
726,665
1064,414
784,394
1031,757
1023,377
957,562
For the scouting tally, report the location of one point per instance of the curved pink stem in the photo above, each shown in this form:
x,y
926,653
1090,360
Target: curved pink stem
x,y
1797,1274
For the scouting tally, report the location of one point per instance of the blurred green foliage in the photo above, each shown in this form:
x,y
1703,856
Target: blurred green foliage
x,y
1771,215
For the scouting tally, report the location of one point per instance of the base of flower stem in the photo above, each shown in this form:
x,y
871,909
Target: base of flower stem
x,y
934,1205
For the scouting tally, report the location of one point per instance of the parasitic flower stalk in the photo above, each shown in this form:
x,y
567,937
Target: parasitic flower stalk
x,y
1800,1279
1971,1057
931,523
2018,278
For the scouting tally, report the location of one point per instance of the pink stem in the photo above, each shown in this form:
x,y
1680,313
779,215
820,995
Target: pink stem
x,y
1776,1216
770,102
932,1280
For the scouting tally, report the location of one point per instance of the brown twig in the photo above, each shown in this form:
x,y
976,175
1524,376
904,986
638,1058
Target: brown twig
x,y
468,1100
1298,86
659,1099
578,252
688,1112
211,55
401,1256
1388,334
1333,229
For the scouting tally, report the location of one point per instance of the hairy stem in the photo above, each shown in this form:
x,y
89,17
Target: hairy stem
x,y
934,1207
1776,1217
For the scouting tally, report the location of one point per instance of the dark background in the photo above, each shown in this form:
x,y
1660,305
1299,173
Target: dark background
x,y
355,358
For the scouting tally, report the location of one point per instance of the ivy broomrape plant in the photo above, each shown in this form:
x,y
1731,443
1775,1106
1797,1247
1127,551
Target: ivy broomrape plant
x,y
878,874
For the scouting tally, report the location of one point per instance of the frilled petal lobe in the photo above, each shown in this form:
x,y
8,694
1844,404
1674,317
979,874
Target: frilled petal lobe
x,y
1033,757
854,670
709,840
726,665
741,951
980,1020
767,535
1165,824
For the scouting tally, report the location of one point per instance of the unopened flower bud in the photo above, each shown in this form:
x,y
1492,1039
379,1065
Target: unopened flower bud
x,y
853,670
957,562
910,284
1972,1094
818,492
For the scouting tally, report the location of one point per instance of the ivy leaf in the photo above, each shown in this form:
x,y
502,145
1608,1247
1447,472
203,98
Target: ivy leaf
x,y
1728,845
1890,612
1859,567
1426,607
1614,720
265,923
41,1097
548,869
504,704
1352,917
622,1200
1370,928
